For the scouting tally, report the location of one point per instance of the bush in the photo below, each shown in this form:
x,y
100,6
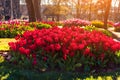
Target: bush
x,y
41,25
91,28
64,49
52,23
106,32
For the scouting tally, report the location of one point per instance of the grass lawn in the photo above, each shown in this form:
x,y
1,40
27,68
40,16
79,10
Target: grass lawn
x,y
4,43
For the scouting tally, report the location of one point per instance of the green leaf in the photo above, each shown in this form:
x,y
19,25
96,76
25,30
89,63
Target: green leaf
x,y
78,65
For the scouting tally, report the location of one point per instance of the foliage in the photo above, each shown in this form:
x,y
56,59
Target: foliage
x,y
91,28
40,25
52,23
75,22
55,10
1,59
10,29
64,49
106,32
10,72
43,24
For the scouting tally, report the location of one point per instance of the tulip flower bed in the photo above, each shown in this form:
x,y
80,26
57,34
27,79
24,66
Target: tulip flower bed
x,y
64,49
75,22
10,29
117,27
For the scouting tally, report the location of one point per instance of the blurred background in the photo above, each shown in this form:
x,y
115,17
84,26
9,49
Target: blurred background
x,y
57,10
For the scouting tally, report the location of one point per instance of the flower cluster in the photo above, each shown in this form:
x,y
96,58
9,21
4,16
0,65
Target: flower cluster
x,y
75,22
117,24
117,27
64,43
12,28
52,23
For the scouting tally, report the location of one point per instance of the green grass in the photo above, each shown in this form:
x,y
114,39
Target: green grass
x,y
4,43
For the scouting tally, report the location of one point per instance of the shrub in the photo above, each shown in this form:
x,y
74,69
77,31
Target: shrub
x,y
52,23
64,49
91,28
41,25
75,22
106,32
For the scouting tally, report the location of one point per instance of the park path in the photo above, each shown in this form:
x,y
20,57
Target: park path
x,y
117,34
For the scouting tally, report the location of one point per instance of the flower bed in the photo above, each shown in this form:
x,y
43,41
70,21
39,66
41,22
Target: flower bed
x,y
10,29
117,27
64,49
75,22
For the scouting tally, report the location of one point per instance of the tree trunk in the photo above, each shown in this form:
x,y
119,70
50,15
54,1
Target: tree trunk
x,y
37,8
58,17
90,10
78,9
31,11
107,9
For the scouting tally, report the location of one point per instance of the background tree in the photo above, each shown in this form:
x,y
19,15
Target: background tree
x,y
53,12
31,11
37,8
58,4
106,15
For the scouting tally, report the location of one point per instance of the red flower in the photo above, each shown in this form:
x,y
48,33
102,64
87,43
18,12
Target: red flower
x,y
57,47
22,50
32,47
87,51
64,56
73,46
52,47
13,46
115,47
33,55
17,37
34,62
65,51
81,46
72,54
49,39
27,52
